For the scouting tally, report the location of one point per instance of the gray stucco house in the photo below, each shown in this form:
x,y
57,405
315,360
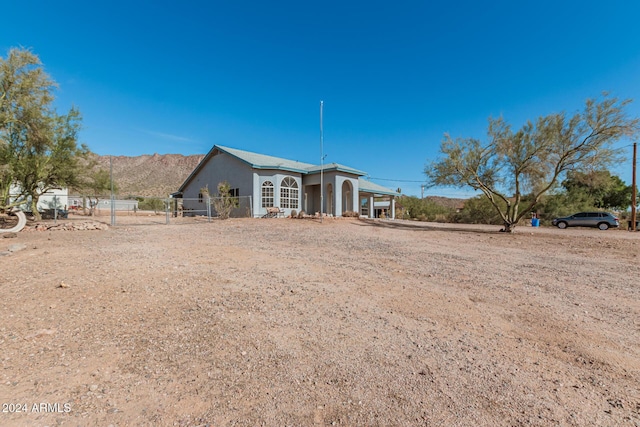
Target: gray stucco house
x,y
286,184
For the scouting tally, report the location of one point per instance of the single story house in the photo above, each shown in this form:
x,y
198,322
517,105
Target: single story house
x,y
267,181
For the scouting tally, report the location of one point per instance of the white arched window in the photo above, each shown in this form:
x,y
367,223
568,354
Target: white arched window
x,y
289,193
267,194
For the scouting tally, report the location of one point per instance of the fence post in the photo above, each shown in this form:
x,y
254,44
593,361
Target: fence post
x,y
166,209
113,209
250,207
55,209
209,209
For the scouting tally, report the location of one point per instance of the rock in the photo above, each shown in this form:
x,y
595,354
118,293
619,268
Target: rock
x,y
40,333
17,247
9,235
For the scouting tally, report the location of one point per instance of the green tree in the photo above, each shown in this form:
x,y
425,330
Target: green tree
x,y
532,160
605,190
38,147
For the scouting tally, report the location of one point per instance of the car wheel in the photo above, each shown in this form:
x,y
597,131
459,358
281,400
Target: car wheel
x,y
603,226
562,225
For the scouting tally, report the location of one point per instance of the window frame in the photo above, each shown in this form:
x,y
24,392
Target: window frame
x,y
264,198
289,193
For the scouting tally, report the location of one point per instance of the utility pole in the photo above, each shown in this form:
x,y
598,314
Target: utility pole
x,y
634,189
321,165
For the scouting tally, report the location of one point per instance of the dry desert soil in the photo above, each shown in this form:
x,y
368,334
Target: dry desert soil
x,y
281,322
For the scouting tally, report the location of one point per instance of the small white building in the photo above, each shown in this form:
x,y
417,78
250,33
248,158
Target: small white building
x,y
57,198
79,202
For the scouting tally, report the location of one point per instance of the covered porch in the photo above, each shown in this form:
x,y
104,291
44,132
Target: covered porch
x,y
376,201
377,205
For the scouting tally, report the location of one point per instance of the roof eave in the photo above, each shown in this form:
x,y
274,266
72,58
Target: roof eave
x,y
280,168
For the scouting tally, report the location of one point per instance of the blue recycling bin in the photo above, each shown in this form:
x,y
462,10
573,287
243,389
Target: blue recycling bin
x,y
535,222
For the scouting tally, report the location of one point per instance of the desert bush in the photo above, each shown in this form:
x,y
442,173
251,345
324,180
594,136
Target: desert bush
x,y
411,207
301,214
224,203
478,210
151,204
350,214
294,213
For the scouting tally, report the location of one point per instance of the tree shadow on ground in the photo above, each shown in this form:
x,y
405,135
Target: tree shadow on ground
x,y
421,226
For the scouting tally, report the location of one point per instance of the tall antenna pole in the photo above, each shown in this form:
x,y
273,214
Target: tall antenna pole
x,y
113,207
634,189
321,165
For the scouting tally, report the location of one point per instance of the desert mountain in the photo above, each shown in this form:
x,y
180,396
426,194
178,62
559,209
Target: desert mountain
x,y
155,175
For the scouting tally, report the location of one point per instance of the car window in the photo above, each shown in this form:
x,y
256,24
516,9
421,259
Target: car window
x,y
594,214
581,215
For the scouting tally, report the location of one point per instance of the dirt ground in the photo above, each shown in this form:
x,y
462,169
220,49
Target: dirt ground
x,y
251,322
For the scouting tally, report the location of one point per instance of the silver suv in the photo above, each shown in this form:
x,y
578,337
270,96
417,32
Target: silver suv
x,y
602,220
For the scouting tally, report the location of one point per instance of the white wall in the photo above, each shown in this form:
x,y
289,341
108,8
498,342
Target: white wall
x,y
276,177
336,179
56,198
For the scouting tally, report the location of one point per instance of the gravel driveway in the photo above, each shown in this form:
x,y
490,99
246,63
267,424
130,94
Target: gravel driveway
x,y
253,322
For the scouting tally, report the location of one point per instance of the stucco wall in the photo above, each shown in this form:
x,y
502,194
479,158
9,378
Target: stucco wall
x,y
276,177
333,201
220,167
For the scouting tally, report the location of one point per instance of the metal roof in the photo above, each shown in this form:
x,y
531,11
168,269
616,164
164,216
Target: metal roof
x,y
337,167
263,161
370,187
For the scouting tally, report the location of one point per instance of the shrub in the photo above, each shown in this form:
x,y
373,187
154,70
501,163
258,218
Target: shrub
x,y
294,213
151,204
412,207
224,203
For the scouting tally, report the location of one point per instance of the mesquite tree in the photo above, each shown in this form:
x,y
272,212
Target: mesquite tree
x,y
38,146
534,159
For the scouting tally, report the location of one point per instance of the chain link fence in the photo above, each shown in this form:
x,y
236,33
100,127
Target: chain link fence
x,y
149,210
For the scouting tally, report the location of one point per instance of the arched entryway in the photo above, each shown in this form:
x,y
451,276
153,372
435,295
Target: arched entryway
x,y
347,196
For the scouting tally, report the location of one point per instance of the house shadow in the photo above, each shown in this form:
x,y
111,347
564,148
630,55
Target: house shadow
x,y
422,226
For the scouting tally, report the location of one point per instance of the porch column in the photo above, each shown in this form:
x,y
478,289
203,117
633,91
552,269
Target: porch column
x,y
372,213
393,207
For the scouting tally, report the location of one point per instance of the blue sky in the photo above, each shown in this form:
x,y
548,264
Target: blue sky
x,y
178,77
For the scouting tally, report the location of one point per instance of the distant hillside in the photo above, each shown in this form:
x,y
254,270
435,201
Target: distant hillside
x,y
155,175
447,202
159,175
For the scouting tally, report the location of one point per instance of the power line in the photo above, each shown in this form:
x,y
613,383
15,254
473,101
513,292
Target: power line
x,y
395,180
